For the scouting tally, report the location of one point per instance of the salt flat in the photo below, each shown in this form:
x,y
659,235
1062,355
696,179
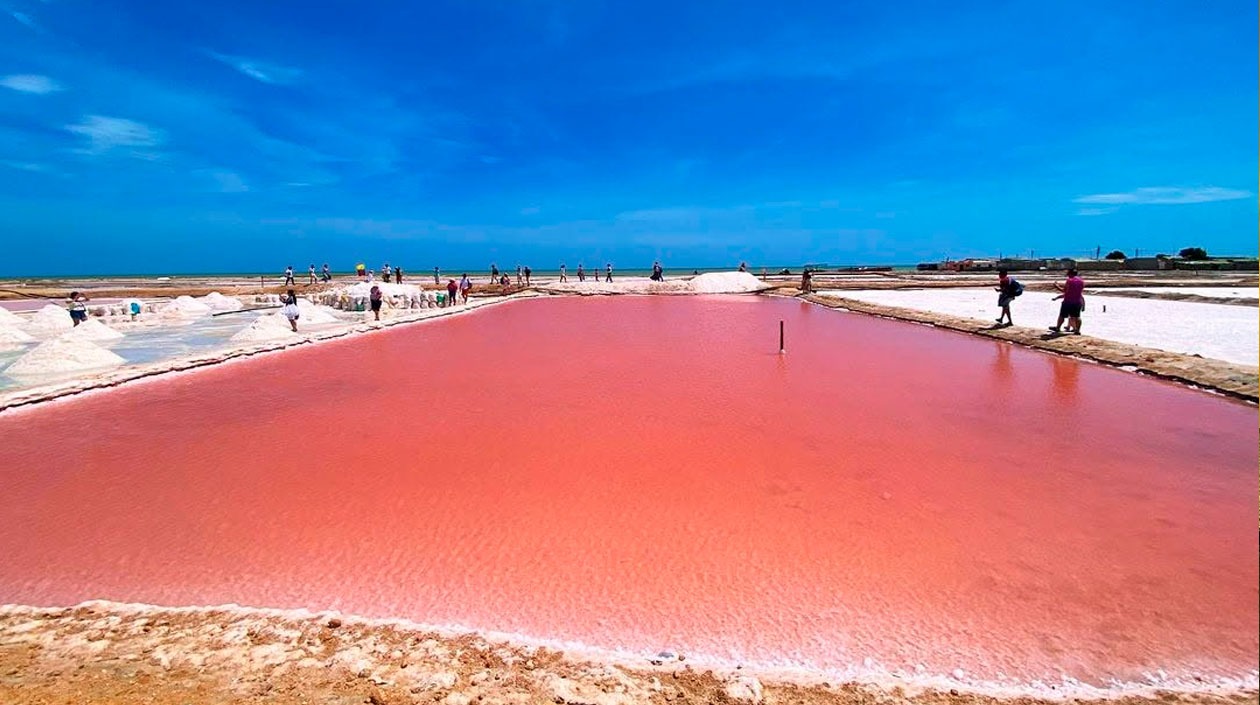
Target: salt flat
x,y
1218,331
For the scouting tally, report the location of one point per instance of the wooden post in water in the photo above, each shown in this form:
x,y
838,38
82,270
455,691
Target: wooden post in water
x,y
781,350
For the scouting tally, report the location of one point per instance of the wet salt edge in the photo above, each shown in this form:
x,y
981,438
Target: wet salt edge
x,y
868,673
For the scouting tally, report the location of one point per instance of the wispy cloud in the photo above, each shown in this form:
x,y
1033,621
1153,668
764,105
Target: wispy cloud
x,y
24,18
30,83
269,73
229,181
24,166
105,133
1164,195
1096,211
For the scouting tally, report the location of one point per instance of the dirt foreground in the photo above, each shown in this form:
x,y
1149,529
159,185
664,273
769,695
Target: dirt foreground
x,y
113,653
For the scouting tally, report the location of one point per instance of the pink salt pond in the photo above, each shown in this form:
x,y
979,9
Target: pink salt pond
x,y
647,473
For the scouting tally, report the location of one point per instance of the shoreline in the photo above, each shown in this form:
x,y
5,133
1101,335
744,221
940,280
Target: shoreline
x,y
104,651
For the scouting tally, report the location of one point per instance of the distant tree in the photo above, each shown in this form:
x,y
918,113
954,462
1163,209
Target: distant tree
x,y
1193,253
1115,254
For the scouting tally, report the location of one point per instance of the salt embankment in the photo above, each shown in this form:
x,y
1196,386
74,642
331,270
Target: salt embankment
x,y
711,283
355,297
63,355
92,331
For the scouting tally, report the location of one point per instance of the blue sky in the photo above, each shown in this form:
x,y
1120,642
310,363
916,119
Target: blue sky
x,y
244,136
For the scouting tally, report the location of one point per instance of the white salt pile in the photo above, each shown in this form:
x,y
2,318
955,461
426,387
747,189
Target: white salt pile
x,y
60,356
219,302
727,283
12,337
10,318
92,331
272,326
49,321
312,314
184,307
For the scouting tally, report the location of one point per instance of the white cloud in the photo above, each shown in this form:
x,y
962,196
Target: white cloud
x,y
229,182
30,83
1165,195
24,18
272,74
106,133
24,166
1096,211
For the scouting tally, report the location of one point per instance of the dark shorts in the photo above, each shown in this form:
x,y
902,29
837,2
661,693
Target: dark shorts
x,y
78,315
376,304
1004,300
1070,310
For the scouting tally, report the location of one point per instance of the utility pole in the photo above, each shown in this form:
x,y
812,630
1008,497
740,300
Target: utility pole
x,y
1097,251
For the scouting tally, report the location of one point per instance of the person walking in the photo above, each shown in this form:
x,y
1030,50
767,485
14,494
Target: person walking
x,y
658,274
290,308
398,275
1007,289
310,275
528,271
1073,295
437,276
386,273
78,307
494,273
326,275
563,276
451,289
608,273
519,279
581,273
465,286
375,297
288,275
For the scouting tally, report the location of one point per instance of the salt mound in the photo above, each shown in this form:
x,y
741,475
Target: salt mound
x,y
93,331
219,302
49,321
10,335
726,283
313,314
272,326
184,306
10,318
62,355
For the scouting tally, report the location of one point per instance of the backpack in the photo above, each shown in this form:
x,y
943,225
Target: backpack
x,y
1016,288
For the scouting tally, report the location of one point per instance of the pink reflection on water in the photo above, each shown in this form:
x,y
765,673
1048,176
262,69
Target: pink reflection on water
x,y
646,473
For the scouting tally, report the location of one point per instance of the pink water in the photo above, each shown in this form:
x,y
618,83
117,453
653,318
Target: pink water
x,y
647,474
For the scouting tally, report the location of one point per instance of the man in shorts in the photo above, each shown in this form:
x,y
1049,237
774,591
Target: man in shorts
x,y
78,307
1073,295
1007,290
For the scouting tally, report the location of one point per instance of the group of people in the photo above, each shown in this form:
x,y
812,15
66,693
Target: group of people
x,y
1071,292
325,275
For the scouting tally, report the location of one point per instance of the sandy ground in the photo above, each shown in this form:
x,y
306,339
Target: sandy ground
x,y
1217,331
113,653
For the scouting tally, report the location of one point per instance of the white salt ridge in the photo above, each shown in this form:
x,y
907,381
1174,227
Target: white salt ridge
x,y
219,302
184,307
60,356
712,283
49,321
92,331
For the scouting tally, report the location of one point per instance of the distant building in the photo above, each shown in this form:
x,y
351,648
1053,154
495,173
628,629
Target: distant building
x,y
1100,265
1147,264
